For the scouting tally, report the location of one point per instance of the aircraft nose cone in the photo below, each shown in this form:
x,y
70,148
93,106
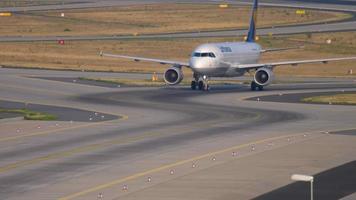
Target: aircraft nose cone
x,y
196,63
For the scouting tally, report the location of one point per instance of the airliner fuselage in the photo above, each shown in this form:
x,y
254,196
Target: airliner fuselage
x,y
216,59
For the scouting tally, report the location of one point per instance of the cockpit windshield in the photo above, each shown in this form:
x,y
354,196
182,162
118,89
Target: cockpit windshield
x,y
208,54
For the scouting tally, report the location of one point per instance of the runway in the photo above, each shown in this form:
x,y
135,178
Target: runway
x,y
161,134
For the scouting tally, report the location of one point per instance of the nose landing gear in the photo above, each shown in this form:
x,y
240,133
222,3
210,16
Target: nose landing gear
x,y
193,85
202,82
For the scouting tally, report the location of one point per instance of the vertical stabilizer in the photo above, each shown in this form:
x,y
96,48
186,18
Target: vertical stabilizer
x,y
252,30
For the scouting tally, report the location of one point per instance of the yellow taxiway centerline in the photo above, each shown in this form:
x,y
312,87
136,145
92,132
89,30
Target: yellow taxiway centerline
x,y
168,166
83,149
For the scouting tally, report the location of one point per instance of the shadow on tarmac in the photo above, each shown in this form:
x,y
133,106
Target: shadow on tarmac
x,y
332,184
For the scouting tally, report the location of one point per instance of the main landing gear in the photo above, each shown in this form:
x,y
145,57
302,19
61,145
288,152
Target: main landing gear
x,y
255,86
200,83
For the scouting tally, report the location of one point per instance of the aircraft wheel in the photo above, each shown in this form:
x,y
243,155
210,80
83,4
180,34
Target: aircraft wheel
x,y
253,86
193,85
206,87
201,85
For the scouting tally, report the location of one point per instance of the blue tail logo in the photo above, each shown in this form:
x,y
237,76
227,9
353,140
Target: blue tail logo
x,y
252,30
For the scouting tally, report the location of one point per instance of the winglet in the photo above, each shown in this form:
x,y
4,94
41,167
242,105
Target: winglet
x,y
252,30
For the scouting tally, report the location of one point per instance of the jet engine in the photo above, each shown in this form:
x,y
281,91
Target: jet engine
x,y
173,76
264,76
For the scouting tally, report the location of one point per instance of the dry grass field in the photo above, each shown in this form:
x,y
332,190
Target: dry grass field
x,y
148,19
158,18
348,99
17,3
83,55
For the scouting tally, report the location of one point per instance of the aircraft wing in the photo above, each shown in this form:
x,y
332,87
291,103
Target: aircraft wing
x,y
138,59
293,63
280,49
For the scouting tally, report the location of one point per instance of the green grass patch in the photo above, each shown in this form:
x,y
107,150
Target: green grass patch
x,y
30,115
341,99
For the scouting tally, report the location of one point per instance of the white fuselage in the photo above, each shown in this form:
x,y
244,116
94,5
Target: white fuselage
x,y
218,59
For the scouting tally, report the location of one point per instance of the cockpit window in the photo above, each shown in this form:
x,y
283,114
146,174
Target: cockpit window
x,y
196,54
204,54
210,54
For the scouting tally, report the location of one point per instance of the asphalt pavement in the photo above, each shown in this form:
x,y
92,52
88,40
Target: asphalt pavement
x,y
171,142
160,130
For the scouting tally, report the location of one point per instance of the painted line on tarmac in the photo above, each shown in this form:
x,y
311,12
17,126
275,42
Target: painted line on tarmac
x,y
6,139
37,89
168,166
74,151
40,79
83,149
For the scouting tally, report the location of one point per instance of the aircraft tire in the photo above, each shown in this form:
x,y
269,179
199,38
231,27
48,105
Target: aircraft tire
x,y
206,87
201,85
253,86
193,85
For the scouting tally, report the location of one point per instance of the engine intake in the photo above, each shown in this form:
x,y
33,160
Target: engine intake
x,y
264,76
173,76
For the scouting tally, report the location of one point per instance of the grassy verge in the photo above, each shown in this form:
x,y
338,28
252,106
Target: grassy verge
x,y
30,115
17,3
342,99
83,55
155,18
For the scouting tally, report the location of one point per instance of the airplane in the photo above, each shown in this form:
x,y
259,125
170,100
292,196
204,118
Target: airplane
x,y
229,59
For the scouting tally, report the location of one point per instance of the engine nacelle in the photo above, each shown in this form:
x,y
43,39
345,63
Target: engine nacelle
x,y
173,76
264,76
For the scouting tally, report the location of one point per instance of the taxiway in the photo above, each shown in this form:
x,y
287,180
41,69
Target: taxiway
x,y
161,134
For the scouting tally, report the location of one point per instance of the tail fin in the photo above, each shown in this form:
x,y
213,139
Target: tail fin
x,y
252,30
